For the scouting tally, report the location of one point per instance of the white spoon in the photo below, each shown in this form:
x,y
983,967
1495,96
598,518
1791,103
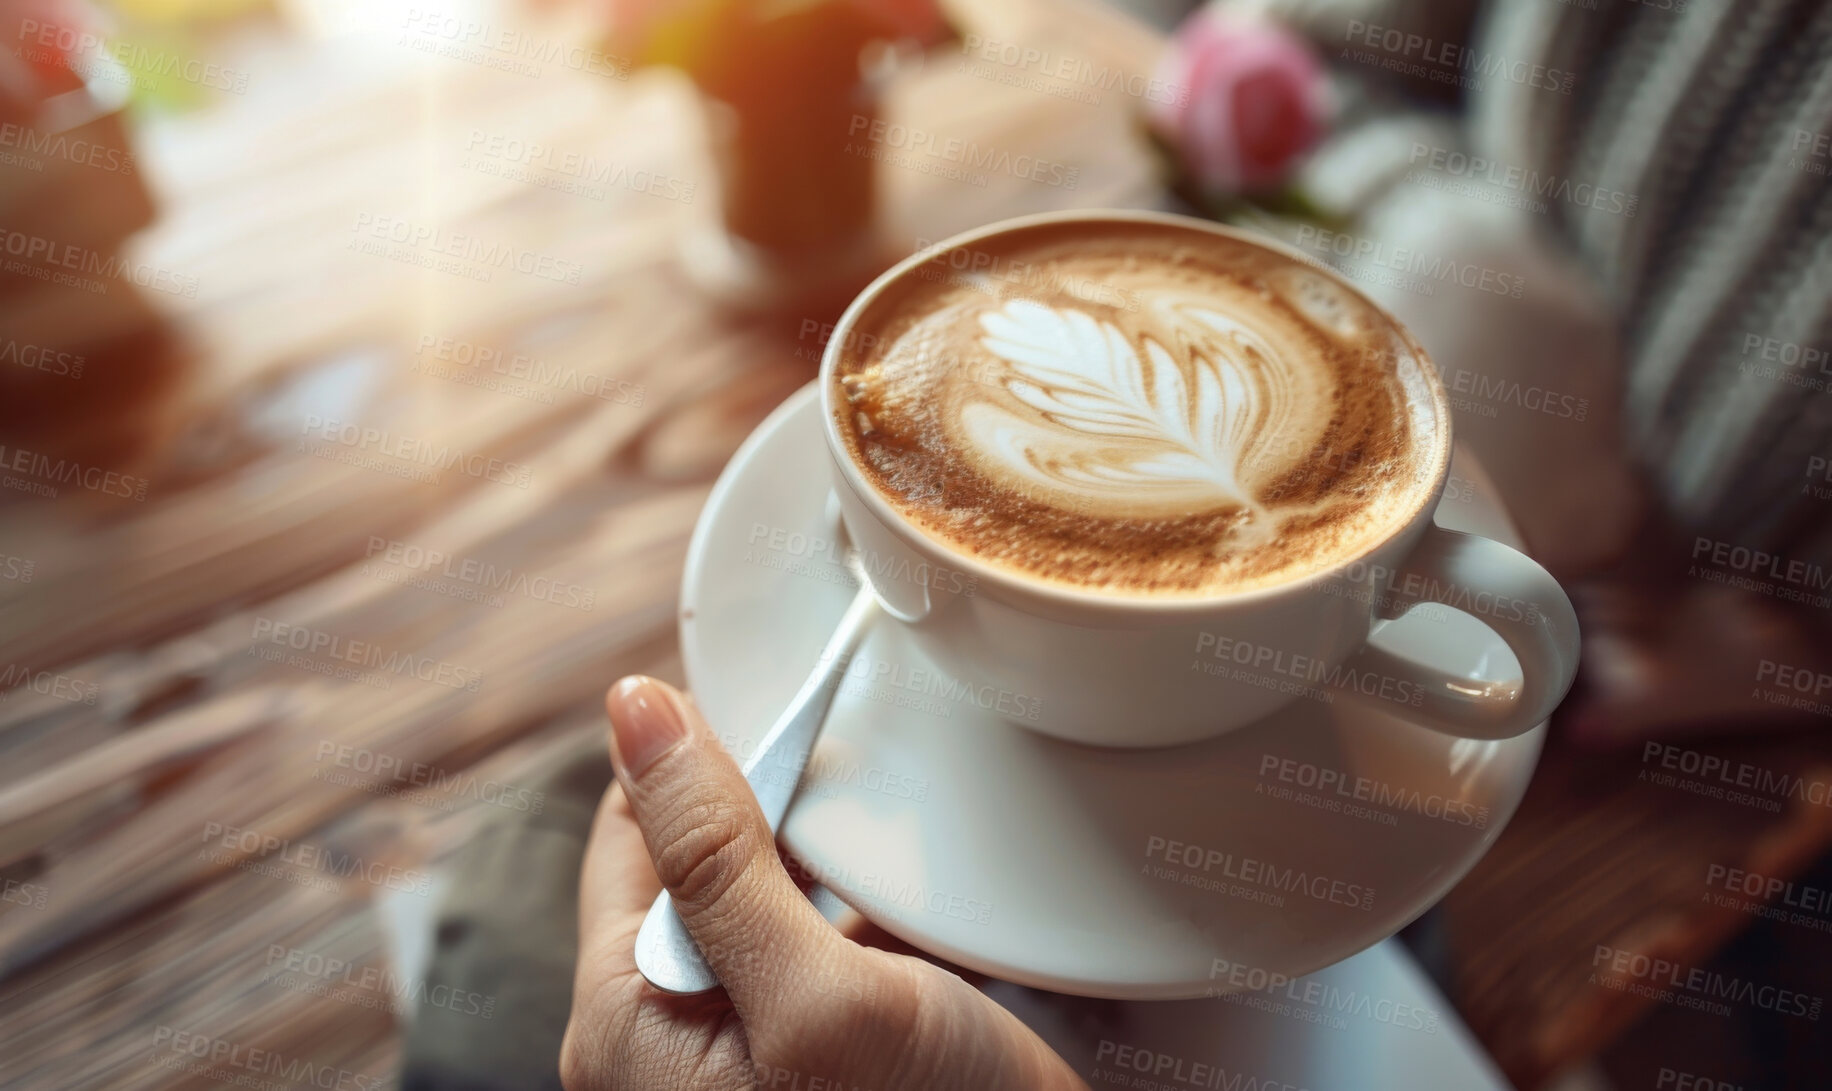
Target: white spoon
x,y
665,952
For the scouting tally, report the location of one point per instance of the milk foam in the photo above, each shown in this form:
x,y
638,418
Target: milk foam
x,y
1166,418
1240,420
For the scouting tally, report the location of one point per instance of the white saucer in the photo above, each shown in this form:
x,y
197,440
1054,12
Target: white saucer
x,y
1042,862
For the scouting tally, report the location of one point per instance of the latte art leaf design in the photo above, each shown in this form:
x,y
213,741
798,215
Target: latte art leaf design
x,y
1158,424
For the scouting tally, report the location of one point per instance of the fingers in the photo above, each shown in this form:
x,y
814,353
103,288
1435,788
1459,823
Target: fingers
x,y
617,880
621,1034
714,852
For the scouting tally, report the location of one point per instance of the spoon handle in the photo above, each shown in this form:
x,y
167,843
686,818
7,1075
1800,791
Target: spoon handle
x,y
665,952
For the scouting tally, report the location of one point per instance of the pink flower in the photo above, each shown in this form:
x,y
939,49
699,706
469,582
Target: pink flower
x,y
1248,100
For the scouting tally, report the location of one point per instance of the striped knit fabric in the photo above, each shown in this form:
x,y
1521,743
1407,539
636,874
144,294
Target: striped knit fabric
x,y
1712,119
1723,273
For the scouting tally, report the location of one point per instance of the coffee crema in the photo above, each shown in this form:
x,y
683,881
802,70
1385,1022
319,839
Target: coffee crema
x,y
1138,408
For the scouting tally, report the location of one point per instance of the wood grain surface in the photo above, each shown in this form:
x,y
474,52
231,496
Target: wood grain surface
x,y
257,704
166,837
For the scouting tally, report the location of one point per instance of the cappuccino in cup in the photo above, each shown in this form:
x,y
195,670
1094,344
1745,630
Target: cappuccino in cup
x,y
1141,438
1139,410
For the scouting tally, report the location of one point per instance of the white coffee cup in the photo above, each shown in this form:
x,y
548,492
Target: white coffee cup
x,y
1100,668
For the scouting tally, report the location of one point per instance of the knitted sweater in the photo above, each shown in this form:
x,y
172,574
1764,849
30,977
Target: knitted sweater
x,y
1683,147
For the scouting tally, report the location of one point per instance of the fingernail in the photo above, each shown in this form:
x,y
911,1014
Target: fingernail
x,y
645,723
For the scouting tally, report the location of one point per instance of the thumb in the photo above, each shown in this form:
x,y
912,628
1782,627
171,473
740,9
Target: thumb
x,y
713,850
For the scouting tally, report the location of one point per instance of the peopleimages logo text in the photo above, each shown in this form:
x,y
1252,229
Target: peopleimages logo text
x,y
363,654
1209,861
318,974
391,770
78,48
1698,983
939,579
72,264
1533,399
530,52
480,574
40,358
1784,892
1409,261
927,682
1073,70
1267,660
220,1053
967,153
22,678
1550,186
1756,562
414,450
309,858
975,269
1739,774
1406,45
1361,789
64,146
1313,993
43,469
435,240
1167,1070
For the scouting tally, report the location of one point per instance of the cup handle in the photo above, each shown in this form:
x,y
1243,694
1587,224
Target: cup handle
x,y
1505,590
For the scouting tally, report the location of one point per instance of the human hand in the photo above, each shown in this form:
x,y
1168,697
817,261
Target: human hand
x,y
801,1003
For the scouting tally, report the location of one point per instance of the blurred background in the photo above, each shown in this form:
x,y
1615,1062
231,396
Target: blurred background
x,y
345,332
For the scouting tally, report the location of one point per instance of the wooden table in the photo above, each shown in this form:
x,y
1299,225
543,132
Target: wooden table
x,y
406,516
